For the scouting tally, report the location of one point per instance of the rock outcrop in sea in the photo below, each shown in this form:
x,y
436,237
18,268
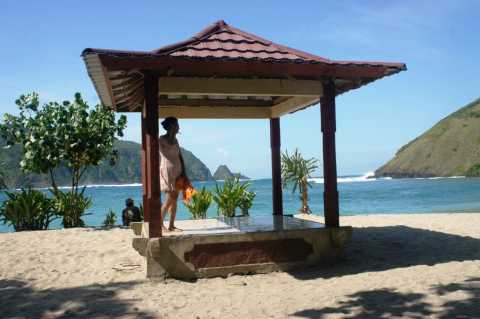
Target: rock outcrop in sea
x,y
223,173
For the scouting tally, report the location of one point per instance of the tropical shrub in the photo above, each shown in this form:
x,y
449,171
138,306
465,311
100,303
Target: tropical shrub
x,y
71,207
199,204
28,209
229,196
110,219
70,134
296,170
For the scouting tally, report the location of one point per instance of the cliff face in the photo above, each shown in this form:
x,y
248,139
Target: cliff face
x,y
127,170
450,148
223,173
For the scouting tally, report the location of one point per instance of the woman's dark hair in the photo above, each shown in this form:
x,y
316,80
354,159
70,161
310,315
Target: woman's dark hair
x,y
168,122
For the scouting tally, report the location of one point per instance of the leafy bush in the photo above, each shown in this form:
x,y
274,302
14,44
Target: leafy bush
x,y
230,196
70,133
110,219
71,207
28,209
201,200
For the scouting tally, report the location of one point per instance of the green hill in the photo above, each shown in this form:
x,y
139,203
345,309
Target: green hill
x,y
450,148
127,170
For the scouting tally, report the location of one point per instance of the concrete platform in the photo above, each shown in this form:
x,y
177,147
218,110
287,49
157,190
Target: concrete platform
x,y
222,246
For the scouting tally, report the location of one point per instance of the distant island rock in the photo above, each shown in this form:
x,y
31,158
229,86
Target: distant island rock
x,y
224,173
127,170
450,148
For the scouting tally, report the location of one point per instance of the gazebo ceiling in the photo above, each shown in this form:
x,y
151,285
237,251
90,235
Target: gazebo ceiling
x,y
223,72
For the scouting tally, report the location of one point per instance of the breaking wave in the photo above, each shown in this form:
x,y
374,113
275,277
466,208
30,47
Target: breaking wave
x,y
367,177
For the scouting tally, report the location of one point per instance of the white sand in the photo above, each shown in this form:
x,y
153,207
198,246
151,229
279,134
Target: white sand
x,y
397,266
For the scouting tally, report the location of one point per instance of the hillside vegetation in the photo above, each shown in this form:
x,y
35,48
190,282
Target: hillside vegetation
x,y
450,148
127,170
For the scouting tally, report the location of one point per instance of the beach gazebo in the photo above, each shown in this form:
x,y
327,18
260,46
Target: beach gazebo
x,y
225,73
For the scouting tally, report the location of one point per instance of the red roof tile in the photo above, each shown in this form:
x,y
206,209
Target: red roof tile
x,y
221,51
221,41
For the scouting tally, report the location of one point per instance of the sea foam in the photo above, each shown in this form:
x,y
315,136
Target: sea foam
x,y
367,177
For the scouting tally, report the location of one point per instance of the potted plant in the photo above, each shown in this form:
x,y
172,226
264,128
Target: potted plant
x,y
246,201
231,195
199,204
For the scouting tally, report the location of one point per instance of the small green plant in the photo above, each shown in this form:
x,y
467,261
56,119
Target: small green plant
x,y
229,196
27,209
297,170
71,207
110,219
201,200
247,201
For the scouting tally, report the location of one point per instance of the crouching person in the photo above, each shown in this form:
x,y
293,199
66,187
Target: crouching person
x,y
131,213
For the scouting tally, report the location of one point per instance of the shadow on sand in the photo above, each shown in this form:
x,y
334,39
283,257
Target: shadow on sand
x,y
387,303
384,248
19,300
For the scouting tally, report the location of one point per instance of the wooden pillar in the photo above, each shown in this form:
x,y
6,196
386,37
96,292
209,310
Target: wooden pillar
x,y
330,194
146,209
151,173
277,199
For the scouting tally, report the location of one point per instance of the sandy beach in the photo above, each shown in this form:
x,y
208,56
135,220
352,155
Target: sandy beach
x,y
413,266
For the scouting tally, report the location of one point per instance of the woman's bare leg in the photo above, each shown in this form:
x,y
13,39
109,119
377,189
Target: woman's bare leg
x,y
165,207
173,211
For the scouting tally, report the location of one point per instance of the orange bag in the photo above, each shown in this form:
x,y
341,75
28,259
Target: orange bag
x,y
182,184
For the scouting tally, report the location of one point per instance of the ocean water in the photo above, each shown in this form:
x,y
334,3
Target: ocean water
x,y
359,195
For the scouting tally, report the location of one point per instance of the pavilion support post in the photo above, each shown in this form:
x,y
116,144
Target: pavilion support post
x,y
146,210
277,199
151,173
330,194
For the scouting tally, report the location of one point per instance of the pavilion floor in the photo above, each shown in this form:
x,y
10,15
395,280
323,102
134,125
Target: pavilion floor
x,y
222,246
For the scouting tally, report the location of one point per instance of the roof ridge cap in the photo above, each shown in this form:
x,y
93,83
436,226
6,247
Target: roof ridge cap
x,y
211,29
300,53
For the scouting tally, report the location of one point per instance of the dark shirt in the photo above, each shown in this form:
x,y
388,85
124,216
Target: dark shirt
x,y
131,214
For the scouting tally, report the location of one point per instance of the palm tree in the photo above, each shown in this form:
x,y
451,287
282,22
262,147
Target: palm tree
x,y
297,170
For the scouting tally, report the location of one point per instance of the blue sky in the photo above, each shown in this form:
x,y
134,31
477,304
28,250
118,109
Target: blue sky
x,y
41,42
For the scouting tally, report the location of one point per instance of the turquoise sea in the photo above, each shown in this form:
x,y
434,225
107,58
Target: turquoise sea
x,y
359,195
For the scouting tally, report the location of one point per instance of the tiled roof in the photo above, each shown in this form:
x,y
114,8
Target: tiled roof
x,y
222,52
221,41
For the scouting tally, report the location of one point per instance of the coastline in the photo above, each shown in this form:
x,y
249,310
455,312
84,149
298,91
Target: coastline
x,y
410,260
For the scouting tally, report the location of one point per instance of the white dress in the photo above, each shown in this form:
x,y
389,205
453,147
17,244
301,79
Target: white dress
x,y
170,164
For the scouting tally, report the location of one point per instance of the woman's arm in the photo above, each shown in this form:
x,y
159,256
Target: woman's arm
x,y
184,173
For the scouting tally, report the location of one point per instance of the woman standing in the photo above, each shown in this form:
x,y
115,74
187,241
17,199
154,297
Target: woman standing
x,y
171,168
